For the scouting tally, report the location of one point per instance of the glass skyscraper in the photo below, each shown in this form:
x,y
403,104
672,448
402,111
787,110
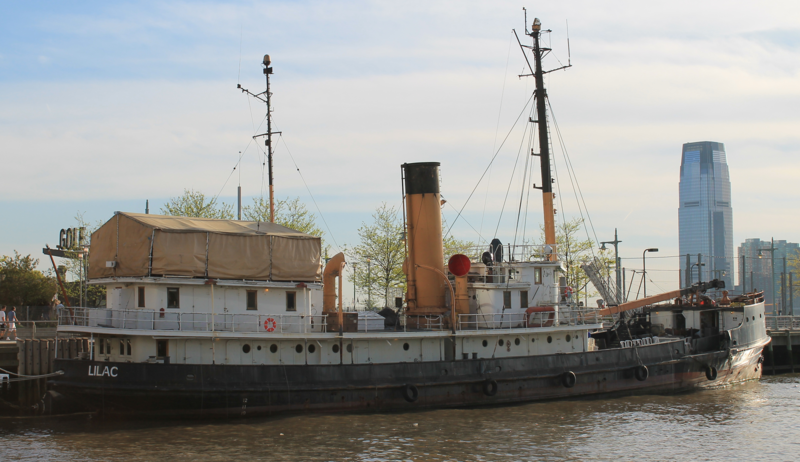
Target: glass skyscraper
x,y
705,216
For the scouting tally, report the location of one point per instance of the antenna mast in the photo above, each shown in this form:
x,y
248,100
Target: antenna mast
x,y
266,97
544,135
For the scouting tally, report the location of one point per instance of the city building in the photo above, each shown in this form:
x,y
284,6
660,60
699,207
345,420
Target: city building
x,y
756,272
705,216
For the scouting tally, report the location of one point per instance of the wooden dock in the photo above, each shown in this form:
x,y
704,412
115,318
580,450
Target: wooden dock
x,y
21,394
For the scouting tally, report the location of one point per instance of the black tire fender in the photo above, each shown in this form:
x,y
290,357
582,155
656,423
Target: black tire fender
x,y
410,392
641,373
489,387
711,372
568,379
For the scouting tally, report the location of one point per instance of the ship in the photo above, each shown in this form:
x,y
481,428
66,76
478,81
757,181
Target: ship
x,y
231,318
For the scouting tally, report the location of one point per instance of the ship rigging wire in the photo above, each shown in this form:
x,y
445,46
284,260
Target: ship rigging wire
x,y
489,166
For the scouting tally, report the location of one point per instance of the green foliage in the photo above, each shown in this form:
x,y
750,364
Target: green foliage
x,y
454,246
574,251
194,204
291,213
22,284
379,256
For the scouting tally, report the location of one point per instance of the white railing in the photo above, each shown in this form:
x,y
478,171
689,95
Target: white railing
x,y
514,252
195,322
496,320
782,322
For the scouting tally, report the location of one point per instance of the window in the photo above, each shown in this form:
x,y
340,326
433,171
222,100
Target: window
x,y
523,298
129,347
161,348
173,297
537,275
252,298
141,297
291,301
100,346
122,347
506,299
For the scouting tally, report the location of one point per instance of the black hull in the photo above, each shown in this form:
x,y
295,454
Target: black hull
x,y
179,390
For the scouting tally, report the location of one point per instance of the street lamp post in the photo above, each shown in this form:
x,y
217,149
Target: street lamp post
x,y
369,282
354,286
615,243
644,269
771,251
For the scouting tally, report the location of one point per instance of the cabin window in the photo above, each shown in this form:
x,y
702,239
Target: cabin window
x,y
161,348
506,299
523,298
173,297
252,300
537,275
99,346
141,297
291,301
129,346
122,347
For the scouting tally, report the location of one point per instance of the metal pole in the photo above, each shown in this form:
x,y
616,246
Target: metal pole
x,y
743,276
369,283
688,278
354,287
772,262
267,72
791,296
623,286
783,287
239,207
644,273
699,267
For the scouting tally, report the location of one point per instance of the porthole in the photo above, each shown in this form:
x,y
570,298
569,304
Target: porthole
x,y
569,337
335,348
258,348
746,319
516,341
549,339
298,348
498,369
533,339
273,348
405,346
246,348
501,342
349,347
312,348
485,343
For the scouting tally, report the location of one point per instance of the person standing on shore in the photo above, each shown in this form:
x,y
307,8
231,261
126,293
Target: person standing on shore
x,y
2,322
11,320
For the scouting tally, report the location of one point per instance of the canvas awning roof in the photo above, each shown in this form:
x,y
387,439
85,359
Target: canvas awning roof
x,y
143,245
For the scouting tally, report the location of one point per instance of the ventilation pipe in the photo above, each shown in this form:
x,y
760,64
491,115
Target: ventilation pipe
x,y
333,269
426,289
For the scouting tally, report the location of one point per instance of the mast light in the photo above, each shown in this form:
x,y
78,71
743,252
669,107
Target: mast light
x,y
537,25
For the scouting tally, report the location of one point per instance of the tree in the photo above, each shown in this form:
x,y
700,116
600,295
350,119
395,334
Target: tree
x,y
574,252
22,284
291,213
454,246
380,254
194,204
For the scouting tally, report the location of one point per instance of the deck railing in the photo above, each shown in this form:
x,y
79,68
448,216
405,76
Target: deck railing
x,y
782,322
194,322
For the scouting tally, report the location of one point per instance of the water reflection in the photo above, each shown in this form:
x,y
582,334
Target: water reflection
x,y
748,422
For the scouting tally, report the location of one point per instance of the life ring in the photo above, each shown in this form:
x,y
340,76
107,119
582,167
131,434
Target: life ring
x,y
711,372
490,387
410,393
641,373
529,315
567,292
568,379
270,324
161,313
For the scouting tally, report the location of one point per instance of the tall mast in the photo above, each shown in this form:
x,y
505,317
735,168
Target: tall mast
x,y
544,141
267,72
266,97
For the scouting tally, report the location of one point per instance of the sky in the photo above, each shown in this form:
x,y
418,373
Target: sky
x,y
104,105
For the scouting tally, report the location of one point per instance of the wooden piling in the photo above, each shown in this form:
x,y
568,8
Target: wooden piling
x,y
789,349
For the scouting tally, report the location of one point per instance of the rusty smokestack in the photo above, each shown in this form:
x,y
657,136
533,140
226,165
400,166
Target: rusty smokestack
x,y
426,288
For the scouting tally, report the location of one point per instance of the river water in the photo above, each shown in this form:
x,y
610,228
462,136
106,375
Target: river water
x,y
754,421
